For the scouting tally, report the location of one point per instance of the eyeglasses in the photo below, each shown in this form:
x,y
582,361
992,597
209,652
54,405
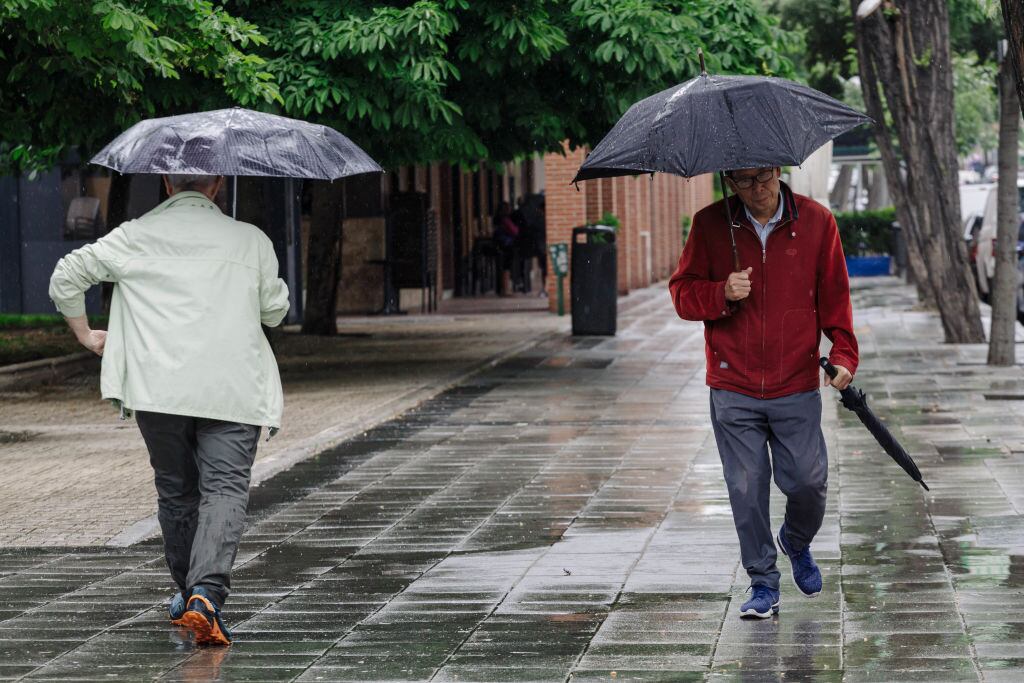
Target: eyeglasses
x,y
748,182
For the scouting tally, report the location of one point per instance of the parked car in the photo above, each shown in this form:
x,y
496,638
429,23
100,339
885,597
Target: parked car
x,y
986,239
968,176
972,226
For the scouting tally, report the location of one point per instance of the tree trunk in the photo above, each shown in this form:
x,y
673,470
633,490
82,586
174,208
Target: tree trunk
x,y
1001,349
903,55
878,195
1013,18
117,213
323,261
841,190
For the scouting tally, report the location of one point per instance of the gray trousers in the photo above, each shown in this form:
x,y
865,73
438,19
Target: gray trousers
x,y
744,428
201,470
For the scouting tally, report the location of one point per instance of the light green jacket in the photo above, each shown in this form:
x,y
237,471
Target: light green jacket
x,y
191,289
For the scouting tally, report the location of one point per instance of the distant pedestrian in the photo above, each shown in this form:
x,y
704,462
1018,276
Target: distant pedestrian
x,y
185,352
506,236
532,237
762,327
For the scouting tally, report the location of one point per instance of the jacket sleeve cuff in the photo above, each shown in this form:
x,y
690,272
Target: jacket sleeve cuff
x,y
845,361
73,308
725,307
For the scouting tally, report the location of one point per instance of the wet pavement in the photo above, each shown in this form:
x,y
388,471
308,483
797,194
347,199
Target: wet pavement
x,y
562,517
73,474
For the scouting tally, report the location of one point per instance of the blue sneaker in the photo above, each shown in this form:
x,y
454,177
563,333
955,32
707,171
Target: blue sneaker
x,y
763,603
176,608
806,575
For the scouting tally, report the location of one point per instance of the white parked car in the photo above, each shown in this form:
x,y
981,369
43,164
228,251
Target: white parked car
x,y
969,175
985,259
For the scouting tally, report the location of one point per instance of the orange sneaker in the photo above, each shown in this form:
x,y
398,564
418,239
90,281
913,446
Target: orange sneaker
x,y
203,619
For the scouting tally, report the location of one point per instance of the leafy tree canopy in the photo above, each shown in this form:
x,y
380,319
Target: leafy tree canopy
x,y
410,81
826,57
75,73
976,104
489,79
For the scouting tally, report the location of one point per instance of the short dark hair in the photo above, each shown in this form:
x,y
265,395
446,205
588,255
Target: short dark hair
x,y
180,182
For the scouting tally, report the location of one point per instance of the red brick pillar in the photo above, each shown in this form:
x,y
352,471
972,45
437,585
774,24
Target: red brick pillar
x,y
565,208
621,204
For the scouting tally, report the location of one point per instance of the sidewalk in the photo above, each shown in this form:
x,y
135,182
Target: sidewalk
x,y
561,516
75,475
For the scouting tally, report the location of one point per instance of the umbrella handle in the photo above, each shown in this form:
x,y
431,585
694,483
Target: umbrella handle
x,y
732,224
829,369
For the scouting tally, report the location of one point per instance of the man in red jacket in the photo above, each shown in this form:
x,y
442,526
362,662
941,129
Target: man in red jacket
x,y
762,327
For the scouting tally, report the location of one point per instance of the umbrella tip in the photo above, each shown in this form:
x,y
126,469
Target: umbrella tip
x,y
921,482
700,56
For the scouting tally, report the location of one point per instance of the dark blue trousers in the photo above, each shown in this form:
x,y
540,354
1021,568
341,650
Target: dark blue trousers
x,y
756,439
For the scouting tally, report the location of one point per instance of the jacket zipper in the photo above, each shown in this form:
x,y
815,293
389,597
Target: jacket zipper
x,y
764,290
764,294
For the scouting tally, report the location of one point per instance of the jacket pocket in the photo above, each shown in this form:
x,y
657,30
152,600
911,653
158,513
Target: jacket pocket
x,y
798,352
727,340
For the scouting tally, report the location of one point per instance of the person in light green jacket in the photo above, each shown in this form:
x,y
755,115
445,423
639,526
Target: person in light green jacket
x,y
184,352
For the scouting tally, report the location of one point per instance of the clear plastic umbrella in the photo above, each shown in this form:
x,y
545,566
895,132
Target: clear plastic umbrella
x,y
235,142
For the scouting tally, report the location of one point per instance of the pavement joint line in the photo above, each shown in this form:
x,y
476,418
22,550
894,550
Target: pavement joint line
x,y
839,524
650,537
1002,488
264,470
728,602
971,645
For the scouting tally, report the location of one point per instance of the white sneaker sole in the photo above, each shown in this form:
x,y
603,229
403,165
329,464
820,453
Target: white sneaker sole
x,y
761,615
778,541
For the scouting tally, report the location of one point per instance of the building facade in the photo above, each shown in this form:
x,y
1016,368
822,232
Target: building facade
x,y
654,213
410,237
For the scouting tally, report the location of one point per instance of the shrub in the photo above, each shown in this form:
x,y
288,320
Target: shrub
x,y
612,221
684,225
865,232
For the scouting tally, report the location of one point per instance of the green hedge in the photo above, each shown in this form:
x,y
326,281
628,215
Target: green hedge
x,y
865,232
25,321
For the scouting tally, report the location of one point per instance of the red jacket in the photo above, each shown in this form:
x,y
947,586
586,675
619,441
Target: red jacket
x,y
766,345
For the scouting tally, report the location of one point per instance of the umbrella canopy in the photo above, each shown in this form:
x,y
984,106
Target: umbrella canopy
x,y
235,142
855,400
717,123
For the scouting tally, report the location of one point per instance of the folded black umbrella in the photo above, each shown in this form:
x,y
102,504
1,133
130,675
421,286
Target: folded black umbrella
x,y
855,400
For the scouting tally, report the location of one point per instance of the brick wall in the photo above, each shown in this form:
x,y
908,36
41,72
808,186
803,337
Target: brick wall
x,y
565,208
641,205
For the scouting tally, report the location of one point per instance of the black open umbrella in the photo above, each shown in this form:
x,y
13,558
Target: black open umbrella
x,y
855,400
719,123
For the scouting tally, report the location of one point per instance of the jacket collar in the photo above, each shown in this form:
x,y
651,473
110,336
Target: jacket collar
x,y
186,198
789,211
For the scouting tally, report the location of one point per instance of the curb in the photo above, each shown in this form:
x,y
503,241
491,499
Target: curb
x,y
265,469
46,370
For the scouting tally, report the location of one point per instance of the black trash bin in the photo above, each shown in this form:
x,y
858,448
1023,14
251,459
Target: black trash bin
x,y
594,280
